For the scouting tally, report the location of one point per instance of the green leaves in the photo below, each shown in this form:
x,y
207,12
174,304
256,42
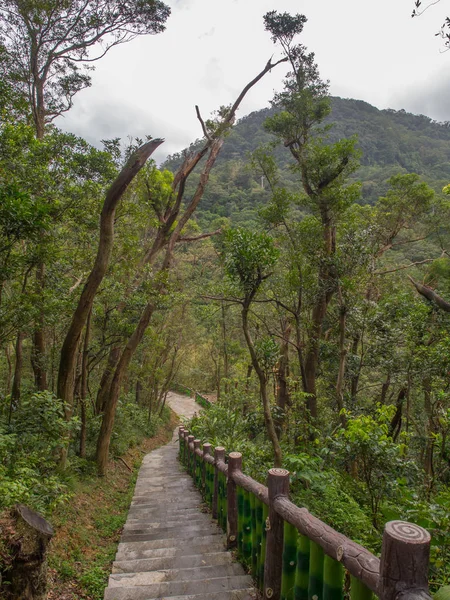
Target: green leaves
x,y
248,258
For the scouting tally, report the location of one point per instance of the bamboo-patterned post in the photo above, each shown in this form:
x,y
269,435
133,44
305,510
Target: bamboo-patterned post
x,y
181,441
205,482
405,555
219,456
185,449
278,484
197,444
234,464
191,455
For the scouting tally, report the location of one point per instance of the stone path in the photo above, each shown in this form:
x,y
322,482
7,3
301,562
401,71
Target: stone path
x,y
170,548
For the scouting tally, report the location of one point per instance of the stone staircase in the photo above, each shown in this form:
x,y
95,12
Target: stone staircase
x,y
170,548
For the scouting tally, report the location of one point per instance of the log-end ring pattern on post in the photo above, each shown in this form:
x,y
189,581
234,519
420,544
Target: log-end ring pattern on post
x,y
277,472
407,532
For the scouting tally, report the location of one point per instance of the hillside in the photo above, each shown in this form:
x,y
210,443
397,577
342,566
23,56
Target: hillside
x,y
391,142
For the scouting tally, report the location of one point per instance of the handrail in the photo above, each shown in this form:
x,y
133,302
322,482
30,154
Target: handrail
x,y
266,527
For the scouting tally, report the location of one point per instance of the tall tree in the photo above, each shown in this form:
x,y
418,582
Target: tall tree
x,y
173,219
47,47
323,169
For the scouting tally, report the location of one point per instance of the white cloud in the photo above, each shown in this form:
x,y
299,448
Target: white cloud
x,y
212,48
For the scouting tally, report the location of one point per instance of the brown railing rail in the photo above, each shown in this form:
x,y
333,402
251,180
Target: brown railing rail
x,y
294,555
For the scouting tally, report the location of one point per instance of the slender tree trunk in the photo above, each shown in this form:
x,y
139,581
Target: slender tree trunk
x,y
385,389
38,353
9,371
355,379
17,379
84,385
430,431
396,422
138,392
282,376
270,427
226,371
325,293
104,437
105,382
342,362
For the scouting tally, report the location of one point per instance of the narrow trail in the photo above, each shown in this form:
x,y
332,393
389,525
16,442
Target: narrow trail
x,y
170,547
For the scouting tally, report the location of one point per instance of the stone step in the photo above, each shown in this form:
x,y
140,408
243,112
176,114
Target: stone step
x,y
128,587
148,525
171,561
167,513
146,577
178,542
242,594
141,550
171,532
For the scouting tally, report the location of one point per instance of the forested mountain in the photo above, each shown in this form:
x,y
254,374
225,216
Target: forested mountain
x,y
390,142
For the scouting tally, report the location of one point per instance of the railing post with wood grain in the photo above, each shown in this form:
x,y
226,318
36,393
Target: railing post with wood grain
x,y
278,484
191,455
181,442
219,456
205,472
404,562
197,451
234,464
292,553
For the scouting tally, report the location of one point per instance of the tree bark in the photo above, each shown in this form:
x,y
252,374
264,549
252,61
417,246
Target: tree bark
x,y
38,353
104,437
282,376
28,574
84,385
342,362
17,379
270,427
325,293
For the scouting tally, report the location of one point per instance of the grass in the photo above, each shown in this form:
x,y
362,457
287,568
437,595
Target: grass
x,y
89,525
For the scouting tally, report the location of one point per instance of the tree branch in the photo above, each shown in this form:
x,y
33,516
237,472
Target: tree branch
x,y
431,295
200,237
202,123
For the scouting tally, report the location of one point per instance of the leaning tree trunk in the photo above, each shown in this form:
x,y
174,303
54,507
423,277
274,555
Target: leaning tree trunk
x,y
67,365
28,545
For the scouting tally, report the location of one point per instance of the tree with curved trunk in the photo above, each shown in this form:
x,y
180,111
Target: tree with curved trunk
x,y
248,259
323,169
69,350
49,46
214,132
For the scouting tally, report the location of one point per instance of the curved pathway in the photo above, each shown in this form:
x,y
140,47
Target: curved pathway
x,y
170,548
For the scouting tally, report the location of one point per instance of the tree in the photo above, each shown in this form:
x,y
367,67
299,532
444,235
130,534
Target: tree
x,y
47,47
173,218
248,259
323,168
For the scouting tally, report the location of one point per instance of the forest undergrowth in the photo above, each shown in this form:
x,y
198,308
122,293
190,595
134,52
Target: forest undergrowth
x,y
87,512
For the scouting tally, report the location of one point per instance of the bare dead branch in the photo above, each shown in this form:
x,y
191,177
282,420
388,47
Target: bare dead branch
x,y
431,295
200,237
202,123
402,267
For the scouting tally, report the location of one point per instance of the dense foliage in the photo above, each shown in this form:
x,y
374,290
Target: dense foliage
x,y
278,281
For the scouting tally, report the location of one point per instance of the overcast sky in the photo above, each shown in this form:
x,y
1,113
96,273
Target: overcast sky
x,y
369,50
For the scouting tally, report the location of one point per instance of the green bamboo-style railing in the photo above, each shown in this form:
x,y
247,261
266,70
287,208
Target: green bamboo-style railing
x,y
291,554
